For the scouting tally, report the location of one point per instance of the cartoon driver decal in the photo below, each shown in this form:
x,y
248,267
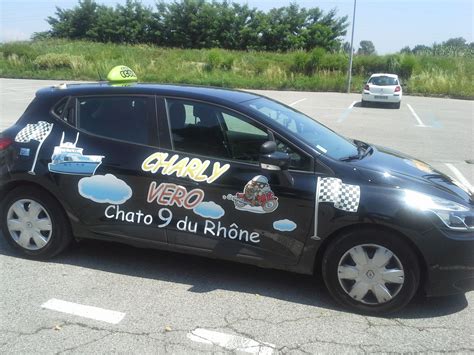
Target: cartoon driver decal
x,y
257,197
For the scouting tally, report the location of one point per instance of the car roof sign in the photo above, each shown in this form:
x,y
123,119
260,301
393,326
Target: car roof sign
x,y
121,74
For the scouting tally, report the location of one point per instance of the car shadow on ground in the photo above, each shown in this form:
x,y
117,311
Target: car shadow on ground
x,y
383,105
205,275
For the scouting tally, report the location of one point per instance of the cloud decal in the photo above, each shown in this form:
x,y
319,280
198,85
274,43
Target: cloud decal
x,y
104,189
284,225
209,210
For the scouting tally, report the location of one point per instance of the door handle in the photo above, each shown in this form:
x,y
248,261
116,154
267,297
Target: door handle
x,y
180,181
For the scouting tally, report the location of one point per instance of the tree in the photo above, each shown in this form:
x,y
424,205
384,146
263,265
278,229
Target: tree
x,y
405,50
202,24
74,23
366,48
346,47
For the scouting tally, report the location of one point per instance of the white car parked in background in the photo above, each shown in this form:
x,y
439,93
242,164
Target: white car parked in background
x,y
382,88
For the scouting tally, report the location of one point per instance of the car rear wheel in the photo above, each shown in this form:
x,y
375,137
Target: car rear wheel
x,y
363,103
34,223
397,105
371,271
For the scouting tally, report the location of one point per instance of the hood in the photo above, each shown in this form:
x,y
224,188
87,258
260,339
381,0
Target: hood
x,y
389,167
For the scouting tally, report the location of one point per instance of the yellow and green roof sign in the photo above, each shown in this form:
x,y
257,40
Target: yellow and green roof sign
x,y
121,74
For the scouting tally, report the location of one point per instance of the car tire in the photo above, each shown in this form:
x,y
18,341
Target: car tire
x,y
34,223
363,103
397,105
364,288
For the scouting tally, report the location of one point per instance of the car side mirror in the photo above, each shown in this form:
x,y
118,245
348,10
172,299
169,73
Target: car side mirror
x,y
276,162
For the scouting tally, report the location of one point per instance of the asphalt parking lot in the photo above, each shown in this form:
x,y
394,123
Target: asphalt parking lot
x,y
150,301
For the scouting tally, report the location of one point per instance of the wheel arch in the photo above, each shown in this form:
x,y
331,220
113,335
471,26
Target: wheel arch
x,y
9,186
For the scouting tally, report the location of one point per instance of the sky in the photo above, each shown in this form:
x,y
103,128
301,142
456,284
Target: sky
x,y
389,24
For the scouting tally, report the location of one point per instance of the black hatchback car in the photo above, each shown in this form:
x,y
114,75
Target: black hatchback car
x,y
237,176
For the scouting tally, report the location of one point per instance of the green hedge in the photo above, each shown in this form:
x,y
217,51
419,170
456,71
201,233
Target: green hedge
x,y
316,70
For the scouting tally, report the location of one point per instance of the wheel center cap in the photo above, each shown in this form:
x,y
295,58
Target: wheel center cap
x,y
29,224
370,274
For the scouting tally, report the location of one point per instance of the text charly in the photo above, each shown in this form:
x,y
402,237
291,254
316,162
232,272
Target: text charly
x,y
193,168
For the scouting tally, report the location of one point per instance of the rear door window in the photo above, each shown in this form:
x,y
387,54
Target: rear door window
x,y
127,118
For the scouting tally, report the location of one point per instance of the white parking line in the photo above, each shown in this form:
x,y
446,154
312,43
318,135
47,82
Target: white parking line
x,y
346,112
297,102
230,342
80,310
420,122
460,177
352,105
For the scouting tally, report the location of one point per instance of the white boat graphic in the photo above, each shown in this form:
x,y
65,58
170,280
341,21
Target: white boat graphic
x,y
69,159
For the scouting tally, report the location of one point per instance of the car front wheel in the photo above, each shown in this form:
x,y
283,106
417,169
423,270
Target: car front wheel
x,y
34,223
371,271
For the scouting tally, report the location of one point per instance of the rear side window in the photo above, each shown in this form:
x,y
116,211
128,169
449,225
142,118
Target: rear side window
x,y
128,118
59,108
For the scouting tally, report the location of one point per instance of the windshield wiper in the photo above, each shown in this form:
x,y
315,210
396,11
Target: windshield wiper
x,y
363,149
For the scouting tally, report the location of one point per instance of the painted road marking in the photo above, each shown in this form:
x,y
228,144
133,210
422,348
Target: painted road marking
x,y
297,102
418,119
80,310
352,105
230,342
460,177
346,112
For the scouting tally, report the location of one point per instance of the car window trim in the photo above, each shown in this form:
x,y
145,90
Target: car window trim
x,y
53,108
156,143
270,132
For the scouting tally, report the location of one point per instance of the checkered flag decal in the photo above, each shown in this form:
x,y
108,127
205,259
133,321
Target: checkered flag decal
x,y
36,131
344,196
329,189
349,198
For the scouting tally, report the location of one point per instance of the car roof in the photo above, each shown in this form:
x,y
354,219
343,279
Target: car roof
x,y
384,74
188,91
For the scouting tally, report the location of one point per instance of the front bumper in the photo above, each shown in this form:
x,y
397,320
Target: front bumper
x,y
450,262
389,98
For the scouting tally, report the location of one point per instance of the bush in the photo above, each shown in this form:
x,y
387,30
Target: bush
x,y
19,49
299,70
299,61
59,61
217,59
407,66
335,62
366,65
314,61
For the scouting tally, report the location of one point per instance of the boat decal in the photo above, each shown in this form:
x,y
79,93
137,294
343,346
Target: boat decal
x,y
69,159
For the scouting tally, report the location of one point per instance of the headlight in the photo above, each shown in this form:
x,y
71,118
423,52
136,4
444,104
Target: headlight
x,y
452,214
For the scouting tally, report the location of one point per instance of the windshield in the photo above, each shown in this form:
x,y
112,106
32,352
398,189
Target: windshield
x,y
308,130
383,81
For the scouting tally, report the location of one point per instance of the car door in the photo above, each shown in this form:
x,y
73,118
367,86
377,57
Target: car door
x,y
220,200
97,165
